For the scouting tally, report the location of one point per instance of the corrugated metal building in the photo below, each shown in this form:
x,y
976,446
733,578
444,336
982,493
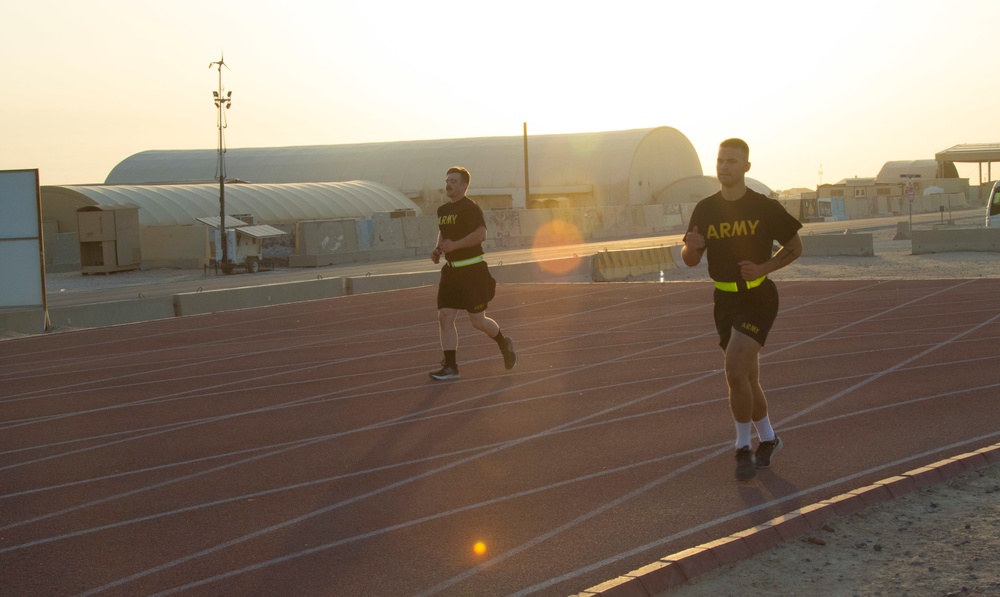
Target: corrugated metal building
x,y
613,168
180,205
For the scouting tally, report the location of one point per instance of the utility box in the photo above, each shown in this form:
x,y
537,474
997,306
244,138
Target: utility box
x,y
109,238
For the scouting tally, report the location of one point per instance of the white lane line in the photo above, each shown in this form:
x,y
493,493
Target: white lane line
x,y
619,407
506,445
534,541
764,506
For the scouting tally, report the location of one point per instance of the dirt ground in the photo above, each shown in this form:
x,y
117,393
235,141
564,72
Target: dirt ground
x,y
938,541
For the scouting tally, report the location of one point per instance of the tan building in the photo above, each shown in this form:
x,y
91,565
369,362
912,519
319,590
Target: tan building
x,y
921,185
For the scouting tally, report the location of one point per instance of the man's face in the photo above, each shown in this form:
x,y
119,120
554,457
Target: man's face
x,y
454,188
731,166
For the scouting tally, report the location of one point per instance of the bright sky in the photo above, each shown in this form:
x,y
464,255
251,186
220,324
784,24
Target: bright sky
x,y
847,85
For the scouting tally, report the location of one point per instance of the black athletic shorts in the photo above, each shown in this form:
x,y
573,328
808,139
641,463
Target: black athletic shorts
x,y
469,288
750,312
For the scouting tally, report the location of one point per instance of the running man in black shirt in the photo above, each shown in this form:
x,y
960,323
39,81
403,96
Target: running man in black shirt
x,y
738,227
466,283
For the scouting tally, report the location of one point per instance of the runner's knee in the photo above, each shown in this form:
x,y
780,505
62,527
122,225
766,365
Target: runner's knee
x,y
446,316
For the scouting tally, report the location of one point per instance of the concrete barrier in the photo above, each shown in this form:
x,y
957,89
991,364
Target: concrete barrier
x,y
111,313
829,245
608,266
213,301
902,231
504,227
418,233
324,242
228,299
23,321
389,234
306,261
955,240
567,269
384,282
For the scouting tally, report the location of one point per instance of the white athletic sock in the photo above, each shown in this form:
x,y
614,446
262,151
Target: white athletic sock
x,y
764,431
742,434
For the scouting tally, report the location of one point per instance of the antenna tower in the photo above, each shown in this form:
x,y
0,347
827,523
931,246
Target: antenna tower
x,y
222,103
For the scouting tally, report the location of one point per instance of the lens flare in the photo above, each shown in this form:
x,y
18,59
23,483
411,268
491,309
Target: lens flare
x,y
556,233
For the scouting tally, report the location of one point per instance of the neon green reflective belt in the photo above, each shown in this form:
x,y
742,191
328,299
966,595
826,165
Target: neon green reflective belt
x,y
734,286
465,262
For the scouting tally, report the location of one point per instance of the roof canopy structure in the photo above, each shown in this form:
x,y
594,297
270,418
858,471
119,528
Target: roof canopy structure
x,y
972,153
618,167
173,205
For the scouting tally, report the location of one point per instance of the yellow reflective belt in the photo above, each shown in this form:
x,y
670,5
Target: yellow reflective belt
x,y
465,262
734,287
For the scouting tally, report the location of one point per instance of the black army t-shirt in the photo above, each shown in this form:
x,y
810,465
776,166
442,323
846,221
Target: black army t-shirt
x,y
741,230
458,219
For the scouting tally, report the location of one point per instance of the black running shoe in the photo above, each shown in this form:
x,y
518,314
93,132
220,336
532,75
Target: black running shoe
x,y
509,357
767,449
744,464
446,373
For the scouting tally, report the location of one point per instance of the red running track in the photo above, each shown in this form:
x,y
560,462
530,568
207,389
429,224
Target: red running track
x,y
302,450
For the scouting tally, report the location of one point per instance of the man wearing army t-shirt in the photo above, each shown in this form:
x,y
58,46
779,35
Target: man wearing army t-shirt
x,y
738,227
466,283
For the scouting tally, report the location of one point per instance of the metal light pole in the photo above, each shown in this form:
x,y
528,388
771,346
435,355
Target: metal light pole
x,y
222,101
527,187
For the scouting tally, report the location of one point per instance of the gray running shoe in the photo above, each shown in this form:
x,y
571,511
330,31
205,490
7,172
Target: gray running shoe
x,y
509,357
744,464
765,450
446,373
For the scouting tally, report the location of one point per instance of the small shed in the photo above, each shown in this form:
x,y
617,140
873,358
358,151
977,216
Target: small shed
x,y
109,238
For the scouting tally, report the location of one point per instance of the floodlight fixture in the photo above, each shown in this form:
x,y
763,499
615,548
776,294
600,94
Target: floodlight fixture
x,y
221,101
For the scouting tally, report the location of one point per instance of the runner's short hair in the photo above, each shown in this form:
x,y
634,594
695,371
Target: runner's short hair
x,y
462,172
735,143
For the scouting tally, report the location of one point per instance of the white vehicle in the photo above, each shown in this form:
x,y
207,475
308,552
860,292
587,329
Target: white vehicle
x,y
993,207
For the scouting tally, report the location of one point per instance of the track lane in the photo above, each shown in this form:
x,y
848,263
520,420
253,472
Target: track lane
x,y
606,447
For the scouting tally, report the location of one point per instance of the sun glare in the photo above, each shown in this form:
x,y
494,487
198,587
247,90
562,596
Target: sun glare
x,y
556,233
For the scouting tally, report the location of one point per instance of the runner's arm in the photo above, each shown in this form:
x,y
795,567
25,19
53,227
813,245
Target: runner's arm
x,y
694,247
789,252
472,239
438,252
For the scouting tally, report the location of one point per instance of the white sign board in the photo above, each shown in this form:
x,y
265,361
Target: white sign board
x,y
22,262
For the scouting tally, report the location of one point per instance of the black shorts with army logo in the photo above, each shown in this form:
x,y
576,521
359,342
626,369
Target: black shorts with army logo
x,y
466,288
749,311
